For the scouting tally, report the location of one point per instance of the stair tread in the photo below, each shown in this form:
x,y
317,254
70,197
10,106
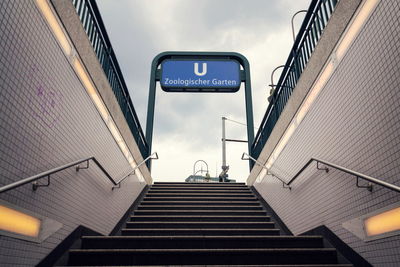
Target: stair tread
x,y
252,197
199,190
200,187
199,206
203,223
202,193
191,222
204,250
215,211
207,206
219,265
200,201
206,237
199,216
211,183
199,229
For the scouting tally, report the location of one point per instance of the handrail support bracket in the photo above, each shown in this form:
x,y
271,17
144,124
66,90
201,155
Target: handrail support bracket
x,y
369,186
326,169
36,185
83,168
284,185
116,186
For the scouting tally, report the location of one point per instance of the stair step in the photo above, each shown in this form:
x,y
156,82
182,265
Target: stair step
x,y
223,265
244,195
200,218
192,242
197,231
219,191
235,188
201,256
201,225
199,212
198,207
182,198
199,184
208,224
200,202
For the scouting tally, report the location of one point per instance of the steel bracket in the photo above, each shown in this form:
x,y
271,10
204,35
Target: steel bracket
x,y
36,185
369,186
326,169
82,168
284,185
116,186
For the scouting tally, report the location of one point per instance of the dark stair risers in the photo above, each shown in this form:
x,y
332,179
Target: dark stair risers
x,y
201,188
198,207
200,218
201,256
198,231
186,242
252,265
198,184
200,212
200,203
197,198
201,225
202,194
197,191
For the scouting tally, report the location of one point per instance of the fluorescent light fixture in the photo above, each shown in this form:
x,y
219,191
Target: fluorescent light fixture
x,y
101,107
54,25
17,222
352,31
355,27
261,175
382,223
61,36
312,95
84,77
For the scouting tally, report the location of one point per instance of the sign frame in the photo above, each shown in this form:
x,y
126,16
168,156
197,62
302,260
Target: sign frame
x,y
201,89
155,75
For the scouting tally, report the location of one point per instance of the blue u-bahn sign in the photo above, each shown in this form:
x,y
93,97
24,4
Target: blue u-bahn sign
x,y
200,75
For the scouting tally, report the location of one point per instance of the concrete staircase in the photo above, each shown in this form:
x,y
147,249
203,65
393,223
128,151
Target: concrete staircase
x,y
192,224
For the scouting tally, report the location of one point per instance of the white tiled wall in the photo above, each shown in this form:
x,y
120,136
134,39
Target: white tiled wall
x,y
47,120
355,122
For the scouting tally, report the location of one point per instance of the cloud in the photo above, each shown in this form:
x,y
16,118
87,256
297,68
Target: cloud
x,y
187,127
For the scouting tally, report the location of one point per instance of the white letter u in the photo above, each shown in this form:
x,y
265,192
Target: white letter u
x,y
196,69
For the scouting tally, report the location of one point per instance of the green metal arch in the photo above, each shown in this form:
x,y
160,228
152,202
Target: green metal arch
x,y
155,76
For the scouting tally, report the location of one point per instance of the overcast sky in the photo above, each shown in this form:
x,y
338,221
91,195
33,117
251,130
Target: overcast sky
x,y
187,127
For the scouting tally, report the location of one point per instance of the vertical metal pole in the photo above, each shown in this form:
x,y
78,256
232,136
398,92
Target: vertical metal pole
x,y
249,109
223,144
150,107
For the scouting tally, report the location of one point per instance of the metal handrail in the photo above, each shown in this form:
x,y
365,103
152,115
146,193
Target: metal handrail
x,y
118,184
284,184
358,175
305,43
93,25
33,179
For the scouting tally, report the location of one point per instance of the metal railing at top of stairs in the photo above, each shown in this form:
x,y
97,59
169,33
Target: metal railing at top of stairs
x,y
310,32
34,179
371,180
93,25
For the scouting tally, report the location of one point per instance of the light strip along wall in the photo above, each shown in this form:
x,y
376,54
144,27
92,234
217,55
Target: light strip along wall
x,y
15,221
352,31
81,72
